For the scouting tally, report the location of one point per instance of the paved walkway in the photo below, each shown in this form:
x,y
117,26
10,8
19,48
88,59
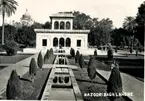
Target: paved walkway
x,y
58,65
130,84
21,67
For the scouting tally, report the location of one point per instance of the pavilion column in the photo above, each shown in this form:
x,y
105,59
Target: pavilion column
x,y
64,42
58,42
59,24
65,25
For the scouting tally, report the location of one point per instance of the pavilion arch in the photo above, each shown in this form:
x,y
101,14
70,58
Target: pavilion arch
x,y
68,42
61,42
55,42
62,25
67,25
56,25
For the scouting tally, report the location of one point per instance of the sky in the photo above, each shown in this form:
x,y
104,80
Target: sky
x,y
40,10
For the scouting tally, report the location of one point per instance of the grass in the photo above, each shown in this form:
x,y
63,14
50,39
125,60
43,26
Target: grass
x,y
33,90
36,86
50,60
133,67
85,85
2,67
99,86
100,65
13,59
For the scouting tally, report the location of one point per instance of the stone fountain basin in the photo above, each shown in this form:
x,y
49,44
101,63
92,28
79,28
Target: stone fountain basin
x,y
61,70
62,94
61,80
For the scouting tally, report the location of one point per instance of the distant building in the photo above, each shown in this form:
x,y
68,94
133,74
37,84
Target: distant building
x,y
26,19
61,34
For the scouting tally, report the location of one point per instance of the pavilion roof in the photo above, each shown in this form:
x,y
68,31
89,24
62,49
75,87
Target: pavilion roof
x,y
62,15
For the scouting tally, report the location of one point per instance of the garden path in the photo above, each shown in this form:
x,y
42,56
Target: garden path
x,y
21,67
130,84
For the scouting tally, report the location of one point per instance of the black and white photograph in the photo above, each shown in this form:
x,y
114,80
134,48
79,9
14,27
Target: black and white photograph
x,y
72,50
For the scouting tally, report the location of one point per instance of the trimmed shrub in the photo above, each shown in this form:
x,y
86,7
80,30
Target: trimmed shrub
x,y
140,50
77,56
40,60
48,54
131,50
114,84
110,54
92,68
136,52
13,90
72,52
32,68
51,51
81,61
92,61
11,47
92,72
45,58
116,49
95,53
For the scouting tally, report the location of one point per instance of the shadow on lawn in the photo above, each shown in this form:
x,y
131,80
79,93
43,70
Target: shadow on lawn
x,y
24,79
90,81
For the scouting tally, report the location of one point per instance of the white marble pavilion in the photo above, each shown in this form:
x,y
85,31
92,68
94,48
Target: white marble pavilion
x,y
61,34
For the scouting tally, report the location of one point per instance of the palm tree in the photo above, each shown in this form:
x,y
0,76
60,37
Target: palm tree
x,y
7,7
129,24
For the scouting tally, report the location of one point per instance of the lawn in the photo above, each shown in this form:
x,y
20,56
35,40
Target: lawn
x,y
4,59
50,60
99,86
84,82
2,67
130,65
33,90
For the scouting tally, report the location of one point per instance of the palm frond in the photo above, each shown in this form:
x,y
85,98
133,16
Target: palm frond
x,y
9,6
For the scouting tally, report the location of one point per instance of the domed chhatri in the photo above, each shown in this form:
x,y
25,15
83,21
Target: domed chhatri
x,y
26,19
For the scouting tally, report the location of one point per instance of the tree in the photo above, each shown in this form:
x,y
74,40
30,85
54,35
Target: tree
x,y
32,69
40,60
77,56
92,38
110,52
8,7
51,51
81,20
130,24
81,61
9,32
48,54
26,36
45,58
13,90
47,25
140,20
72,52
92,69
37,25
11,47
131,50
95,53
101,32
82,64
114,84
120,36
116,49
137,52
